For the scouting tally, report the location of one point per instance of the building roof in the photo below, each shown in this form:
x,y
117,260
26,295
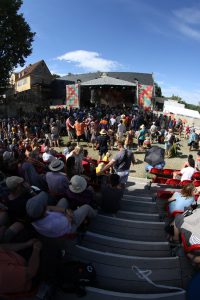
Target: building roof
x,y
143,78
106,80
29,69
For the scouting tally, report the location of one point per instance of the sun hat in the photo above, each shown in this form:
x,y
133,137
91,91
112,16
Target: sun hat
x,y
36,205
77,184
7,155
13,181
56,165
103,132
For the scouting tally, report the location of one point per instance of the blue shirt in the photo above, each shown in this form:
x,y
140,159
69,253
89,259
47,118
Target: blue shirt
x,y
180,202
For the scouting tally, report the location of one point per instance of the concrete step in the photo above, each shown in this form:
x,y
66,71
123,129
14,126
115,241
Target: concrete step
x,y
123,246
128,229
101,294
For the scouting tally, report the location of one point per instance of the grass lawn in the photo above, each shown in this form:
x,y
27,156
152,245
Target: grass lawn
x,y
138,169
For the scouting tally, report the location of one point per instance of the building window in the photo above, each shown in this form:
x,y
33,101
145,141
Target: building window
x,y
22,82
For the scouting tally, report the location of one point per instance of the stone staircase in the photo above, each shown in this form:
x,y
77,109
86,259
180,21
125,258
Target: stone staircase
x,y
129,250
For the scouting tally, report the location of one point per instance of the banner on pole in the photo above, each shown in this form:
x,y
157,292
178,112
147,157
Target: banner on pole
x,y
145,93
72,95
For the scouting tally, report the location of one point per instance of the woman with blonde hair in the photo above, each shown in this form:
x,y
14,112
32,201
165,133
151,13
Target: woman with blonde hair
x,y
183,199
77,153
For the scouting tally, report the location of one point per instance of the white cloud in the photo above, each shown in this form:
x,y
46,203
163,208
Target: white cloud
x,y
189,15
188,96
187,21
90,61
57,73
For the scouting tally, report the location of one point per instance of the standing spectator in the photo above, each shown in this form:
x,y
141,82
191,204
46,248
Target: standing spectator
x,y
153,131
55,134
141,137
169,140
121,163
70,128
121,129
193,138
80,130
102,143
47,132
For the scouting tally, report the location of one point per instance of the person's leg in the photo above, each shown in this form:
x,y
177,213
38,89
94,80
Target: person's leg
x,y
80,214
3,218
12,231
63,203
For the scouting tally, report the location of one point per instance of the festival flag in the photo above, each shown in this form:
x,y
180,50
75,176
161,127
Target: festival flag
x,y
72,95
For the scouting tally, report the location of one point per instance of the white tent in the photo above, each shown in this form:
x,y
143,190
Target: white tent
x,y
176,109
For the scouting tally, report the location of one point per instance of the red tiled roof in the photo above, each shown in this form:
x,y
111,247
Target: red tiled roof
x,y
28,70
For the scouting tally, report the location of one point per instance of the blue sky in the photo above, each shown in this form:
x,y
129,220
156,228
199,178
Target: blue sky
x,y
150,36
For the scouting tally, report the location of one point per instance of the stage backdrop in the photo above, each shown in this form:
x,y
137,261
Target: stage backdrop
x,y
72,95
144,95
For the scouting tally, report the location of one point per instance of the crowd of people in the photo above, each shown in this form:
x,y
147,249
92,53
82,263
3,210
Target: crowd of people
x,y
51,193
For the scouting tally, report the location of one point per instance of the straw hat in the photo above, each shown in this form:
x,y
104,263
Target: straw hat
x,y
103,132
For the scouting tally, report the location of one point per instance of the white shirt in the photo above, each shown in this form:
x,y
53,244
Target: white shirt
x,y
187,173
48,157
121,128
112,121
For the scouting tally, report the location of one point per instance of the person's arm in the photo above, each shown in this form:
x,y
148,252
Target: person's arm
x,y
106,167
56,209
17,246
172,198
68,212
34,261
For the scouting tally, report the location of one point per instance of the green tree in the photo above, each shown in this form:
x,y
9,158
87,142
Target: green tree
x,y
179,99
55,76
15,39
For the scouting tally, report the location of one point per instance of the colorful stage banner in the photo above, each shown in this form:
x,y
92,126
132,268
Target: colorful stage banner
x,y
145,93
72,95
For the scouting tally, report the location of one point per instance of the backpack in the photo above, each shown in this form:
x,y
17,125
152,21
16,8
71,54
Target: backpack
x,y
74,276
121,162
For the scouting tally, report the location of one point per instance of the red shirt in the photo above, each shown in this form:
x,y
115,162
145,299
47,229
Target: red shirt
x,y
13,278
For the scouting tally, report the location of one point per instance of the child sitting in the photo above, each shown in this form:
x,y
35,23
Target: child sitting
x,y
99,167
106,157
147,142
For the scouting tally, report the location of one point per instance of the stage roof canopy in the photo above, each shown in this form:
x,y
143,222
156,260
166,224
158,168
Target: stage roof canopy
x,y
107,80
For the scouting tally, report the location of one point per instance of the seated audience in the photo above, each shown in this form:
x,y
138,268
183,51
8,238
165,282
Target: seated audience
x,y
56,221
187,172
78,193
47,156
111,195
183,199
197,162
56,179
17,275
